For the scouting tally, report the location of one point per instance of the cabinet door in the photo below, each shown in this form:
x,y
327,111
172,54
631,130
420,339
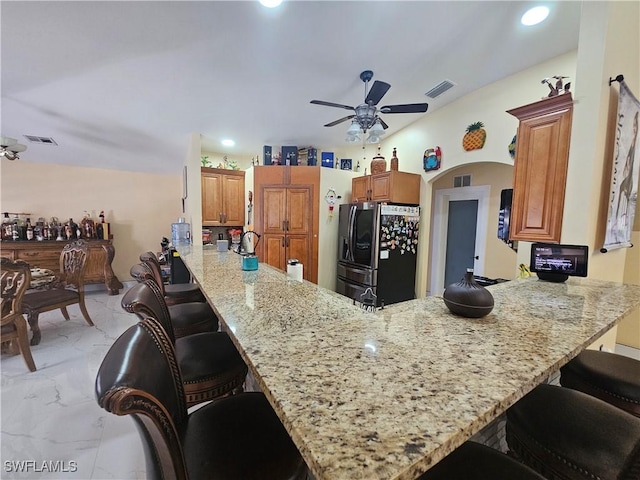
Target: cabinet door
x,y
212,206
298,246
540,173
274,210
233,199
273,250
360,189
298,216
381,187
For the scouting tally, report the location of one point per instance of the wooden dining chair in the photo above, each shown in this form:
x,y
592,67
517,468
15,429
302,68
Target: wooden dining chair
x,y
210,364
238,437
173,293
186,318
67,289
15,278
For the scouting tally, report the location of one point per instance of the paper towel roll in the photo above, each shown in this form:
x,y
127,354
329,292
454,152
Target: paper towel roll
x,y
294,272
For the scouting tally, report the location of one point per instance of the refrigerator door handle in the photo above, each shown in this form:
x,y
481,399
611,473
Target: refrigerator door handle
x,y
352,218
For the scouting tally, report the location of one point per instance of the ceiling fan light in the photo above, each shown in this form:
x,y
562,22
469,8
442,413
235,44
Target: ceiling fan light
x,y
352,138
7,142
377,129
372,138
354,128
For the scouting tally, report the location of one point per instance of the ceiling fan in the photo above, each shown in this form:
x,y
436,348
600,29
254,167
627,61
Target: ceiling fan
x,y
366,114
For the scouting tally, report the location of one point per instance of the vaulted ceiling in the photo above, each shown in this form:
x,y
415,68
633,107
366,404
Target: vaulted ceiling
x,y
122,85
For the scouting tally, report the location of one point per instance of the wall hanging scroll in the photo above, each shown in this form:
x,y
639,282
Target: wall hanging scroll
x,y
623,194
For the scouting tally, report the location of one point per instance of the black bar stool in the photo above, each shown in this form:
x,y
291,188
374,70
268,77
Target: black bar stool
x,y
569,435
474,461
607,376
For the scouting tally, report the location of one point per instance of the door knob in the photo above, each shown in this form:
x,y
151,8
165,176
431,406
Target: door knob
x,y
477,257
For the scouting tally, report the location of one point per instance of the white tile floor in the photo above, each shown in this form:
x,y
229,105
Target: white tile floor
x,y
50,417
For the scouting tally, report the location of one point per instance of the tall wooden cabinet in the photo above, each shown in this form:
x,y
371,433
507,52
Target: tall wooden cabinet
x,y
392,186
287,208
222,197
540,173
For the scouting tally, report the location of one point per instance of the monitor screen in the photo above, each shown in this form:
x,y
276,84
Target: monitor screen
x,y
559,259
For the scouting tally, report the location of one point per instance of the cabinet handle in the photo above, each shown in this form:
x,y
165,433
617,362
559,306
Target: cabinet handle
x,y
283,225
287,241
287,225
283,241
220,217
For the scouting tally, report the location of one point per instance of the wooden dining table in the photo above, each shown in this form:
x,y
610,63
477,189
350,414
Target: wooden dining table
x,y
388,394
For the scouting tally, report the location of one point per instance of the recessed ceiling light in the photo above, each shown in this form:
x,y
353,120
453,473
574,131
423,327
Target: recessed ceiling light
x,y
534,16
270,3
228,142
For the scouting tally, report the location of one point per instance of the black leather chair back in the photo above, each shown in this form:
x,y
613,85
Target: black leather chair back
x,y
145,299
139,377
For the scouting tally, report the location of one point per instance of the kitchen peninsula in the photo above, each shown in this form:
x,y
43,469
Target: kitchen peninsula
x,y
389,394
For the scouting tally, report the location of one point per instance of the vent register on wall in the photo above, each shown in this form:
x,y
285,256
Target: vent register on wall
x,y
377,249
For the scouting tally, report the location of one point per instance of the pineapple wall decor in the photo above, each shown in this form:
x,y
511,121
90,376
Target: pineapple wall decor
x,y
475,137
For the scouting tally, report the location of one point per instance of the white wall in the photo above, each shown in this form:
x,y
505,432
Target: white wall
x,y
340,181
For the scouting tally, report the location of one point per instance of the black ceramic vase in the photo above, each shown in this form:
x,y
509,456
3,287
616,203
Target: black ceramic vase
x,y
467,298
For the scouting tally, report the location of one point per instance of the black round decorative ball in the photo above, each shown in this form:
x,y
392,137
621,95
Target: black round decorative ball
x,y
467,298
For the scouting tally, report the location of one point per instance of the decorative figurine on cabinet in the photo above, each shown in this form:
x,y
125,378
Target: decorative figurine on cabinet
x,y
558,89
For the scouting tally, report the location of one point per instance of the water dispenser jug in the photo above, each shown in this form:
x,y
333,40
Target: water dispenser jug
x,y
180,232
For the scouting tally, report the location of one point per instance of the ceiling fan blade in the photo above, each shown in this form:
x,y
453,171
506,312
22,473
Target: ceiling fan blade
x,y
377,92
384,125
336,122
407,108
329,104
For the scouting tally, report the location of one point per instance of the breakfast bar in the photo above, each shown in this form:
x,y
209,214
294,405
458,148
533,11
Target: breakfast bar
x,y
386,395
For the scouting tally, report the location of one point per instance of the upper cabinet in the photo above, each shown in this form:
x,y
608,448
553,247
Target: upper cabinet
x,y
392,186
222,197
540,173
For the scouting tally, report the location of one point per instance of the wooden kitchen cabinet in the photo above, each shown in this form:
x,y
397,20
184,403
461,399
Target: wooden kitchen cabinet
x,y
540,172
47,255
392,186
222,197
286,205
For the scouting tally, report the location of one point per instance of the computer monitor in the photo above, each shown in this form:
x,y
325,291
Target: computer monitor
x,y
555,262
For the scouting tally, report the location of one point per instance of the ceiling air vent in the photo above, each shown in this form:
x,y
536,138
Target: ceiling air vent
x,y
440,89
40,140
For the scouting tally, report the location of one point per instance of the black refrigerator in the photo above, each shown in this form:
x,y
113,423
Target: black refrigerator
x,y
377,247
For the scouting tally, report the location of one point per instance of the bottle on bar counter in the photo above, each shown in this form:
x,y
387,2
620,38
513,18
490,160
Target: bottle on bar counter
x,y
29,229
7,227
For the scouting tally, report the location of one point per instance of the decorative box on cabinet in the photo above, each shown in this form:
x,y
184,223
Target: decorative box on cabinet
x,y
392,186
540,173
222,197
47,255
287,209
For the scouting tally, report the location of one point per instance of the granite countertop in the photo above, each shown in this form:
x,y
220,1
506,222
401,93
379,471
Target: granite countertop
x,y
389,394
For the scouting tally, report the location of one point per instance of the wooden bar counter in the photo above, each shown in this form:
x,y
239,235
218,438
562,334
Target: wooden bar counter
x,y
387,395
46,254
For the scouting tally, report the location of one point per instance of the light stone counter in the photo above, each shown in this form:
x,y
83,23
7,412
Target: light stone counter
x,y
389,394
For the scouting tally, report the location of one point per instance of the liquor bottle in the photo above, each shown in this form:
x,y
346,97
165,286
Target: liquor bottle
x,y
22,228
6,227
46,231
69,230
15,231
88,227
29,229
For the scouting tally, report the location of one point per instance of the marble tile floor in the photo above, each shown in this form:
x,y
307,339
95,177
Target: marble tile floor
x,y
51,415
50,420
